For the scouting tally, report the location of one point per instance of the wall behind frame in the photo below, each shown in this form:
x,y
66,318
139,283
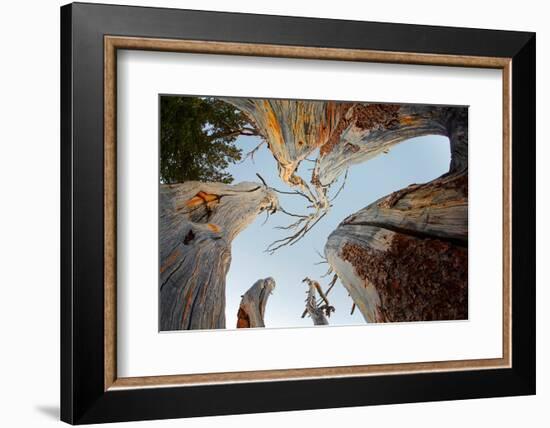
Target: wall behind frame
x,y
29,220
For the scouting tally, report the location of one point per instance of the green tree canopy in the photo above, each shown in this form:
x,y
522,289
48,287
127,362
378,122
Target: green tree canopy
x,y
197,138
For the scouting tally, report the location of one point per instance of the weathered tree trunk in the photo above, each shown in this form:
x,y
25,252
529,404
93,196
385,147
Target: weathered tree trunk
x,y
345,134
198,222
292,129
372,129
253,302
405,257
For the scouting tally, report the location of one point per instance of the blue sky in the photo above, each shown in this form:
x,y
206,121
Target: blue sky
x,y
414,161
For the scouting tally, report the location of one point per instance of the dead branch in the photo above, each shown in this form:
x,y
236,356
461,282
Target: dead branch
x,y
341,187
328,272
305,222
326,307
252,152
292,225
309,222
283,192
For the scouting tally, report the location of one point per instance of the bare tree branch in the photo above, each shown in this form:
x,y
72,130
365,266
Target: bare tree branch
x,y
341,187
295,192
317,311
252,152
325,294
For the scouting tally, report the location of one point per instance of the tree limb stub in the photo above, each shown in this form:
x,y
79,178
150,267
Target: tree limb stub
x,y
319,312
253,303
324,296
198,222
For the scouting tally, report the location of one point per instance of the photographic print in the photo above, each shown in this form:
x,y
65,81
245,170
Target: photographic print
x,y
279,213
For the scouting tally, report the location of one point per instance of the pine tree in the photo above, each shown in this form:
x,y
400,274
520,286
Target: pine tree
x,y
197,138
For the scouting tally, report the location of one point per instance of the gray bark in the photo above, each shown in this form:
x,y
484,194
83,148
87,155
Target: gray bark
x,y
414,242
253,303
345,134
198,222
405,257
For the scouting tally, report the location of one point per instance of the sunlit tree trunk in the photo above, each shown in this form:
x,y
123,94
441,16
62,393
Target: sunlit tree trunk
x,y
414,242
347,133
198,222
405,257
337,135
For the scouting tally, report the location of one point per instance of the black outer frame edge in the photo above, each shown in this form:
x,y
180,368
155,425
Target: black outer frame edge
x,y
524,213
83,398
300,31
66,305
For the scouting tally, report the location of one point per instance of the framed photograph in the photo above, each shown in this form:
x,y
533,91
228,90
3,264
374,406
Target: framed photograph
x,y
256,208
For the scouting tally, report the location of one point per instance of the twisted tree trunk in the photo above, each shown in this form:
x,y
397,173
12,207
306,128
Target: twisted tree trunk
x,y
345,134
404,257
252,307
198,222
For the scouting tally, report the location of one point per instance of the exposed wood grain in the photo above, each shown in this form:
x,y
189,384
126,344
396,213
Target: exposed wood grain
x,y
405,256
302,52
507,171
308,373
198,222
112,43
344,134
253,303
109,200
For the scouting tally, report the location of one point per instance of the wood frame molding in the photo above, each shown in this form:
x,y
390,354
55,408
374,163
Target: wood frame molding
x,y
114,43
90,37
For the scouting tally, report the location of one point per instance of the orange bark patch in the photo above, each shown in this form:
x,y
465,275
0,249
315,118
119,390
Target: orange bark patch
x,y
243,321
170,260
407,120
188,301
213,227
202,198
273,124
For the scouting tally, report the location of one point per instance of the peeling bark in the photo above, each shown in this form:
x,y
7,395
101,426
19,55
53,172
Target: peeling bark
x,y
345,134
402,258
405,257
292,129
253,302
375,128
198,222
